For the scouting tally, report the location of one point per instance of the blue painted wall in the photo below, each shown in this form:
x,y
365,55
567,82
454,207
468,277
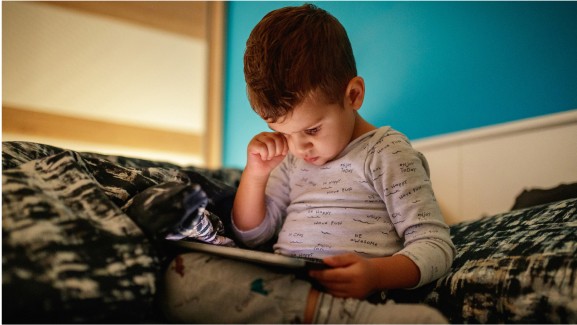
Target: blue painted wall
x,y
432,67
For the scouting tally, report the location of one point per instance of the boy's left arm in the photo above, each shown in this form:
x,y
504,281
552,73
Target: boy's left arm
x,y
408,195
428,250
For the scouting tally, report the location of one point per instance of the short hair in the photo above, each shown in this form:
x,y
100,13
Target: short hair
x,y
293,52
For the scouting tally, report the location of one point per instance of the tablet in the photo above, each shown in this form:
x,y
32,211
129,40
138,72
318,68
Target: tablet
x,y
253,255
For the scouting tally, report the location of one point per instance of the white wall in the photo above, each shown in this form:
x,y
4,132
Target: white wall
x,y
481,172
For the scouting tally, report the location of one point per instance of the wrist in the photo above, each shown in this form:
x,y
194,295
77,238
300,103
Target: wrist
x,y
256,174
397,271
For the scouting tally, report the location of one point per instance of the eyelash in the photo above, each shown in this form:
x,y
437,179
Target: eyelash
x,y
312,131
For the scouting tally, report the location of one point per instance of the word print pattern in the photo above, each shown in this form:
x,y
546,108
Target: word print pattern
x,y
373,199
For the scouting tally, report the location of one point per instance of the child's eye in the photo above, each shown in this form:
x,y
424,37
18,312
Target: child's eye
x,y
312,131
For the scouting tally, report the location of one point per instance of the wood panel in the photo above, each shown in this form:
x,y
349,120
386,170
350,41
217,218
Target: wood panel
x,y
199,19
182,17
34,123
214,115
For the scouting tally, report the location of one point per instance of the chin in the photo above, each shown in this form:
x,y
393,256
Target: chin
x,y
321,161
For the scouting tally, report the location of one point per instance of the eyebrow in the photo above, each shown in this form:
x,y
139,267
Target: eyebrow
x,y
316,125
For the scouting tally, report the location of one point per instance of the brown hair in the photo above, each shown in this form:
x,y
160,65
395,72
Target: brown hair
x,y
292,52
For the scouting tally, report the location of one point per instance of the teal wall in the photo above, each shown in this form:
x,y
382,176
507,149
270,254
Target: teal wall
x,y
432,67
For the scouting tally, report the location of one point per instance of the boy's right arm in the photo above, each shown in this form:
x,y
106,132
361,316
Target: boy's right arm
x,y
265,151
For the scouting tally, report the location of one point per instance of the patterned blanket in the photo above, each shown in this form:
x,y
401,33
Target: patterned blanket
x,y
82,233
82,241
516,267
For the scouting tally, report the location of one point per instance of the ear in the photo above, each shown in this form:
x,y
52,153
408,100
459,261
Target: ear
x,y
355,93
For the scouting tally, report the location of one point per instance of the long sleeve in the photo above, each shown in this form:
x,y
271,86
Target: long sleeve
x,y
400,175
276,199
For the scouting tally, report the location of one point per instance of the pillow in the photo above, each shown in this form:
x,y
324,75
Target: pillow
x,y
533,197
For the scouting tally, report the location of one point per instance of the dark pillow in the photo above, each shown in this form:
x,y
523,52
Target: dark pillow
x,y
536,196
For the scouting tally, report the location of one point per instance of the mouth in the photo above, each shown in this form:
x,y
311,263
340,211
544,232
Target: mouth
x,y
311,160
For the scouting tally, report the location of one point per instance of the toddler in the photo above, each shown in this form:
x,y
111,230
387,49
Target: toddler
x,y
326,184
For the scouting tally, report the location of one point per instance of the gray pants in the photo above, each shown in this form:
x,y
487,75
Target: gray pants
x,y
202,288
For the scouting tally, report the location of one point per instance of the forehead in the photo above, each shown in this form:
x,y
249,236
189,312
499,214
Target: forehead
x,y
304,116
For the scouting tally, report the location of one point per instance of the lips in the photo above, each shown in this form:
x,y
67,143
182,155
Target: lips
x,y
311,160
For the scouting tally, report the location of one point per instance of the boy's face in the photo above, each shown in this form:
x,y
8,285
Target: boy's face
x,y
317,132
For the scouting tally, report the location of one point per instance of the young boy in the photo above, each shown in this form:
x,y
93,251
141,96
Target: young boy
x,y
328,184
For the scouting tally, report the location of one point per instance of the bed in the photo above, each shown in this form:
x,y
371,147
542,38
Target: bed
x,y
82,242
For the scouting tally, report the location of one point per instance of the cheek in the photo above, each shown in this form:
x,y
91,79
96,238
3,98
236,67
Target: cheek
x,y
335,144
291,146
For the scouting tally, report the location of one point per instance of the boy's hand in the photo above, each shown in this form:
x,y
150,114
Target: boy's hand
x,y
351,276
357,277
265,151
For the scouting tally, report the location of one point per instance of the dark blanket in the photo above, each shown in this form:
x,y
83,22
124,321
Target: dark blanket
x,y
82,242
81,232
515,267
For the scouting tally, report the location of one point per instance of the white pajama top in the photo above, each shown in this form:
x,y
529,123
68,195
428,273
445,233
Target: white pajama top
x,y
374,199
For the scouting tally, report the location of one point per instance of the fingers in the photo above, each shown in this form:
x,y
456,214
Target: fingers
x,y
337,275
349,276
344,287
338,264
268,145
342,260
